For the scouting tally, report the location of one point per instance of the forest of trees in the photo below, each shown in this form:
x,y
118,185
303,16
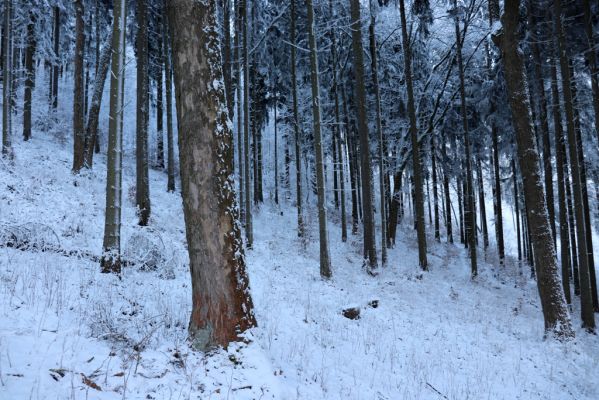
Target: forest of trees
x,y
384,111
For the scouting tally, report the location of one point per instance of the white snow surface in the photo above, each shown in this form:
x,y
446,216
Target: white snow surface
x,y
67,331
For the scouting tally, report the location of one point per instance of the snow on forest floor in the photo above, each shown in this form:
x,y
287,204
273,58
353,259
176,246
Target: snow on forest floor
x,y
69,332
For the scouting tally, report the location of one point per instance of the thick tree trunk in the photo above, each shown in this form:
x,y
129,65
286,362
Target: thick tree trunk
x,y
325,258
555,312
296,127
370,258
111,257
142,187
30,75
222,306
588,319
78,90
91,130
418,198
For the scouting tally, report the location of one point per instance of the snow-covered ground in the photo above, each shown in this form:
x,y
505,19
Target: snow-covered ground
x,y
69,332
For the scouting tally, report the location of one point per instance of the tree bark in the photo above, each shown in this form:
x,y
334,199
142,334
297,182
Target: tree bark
x,y
379,131
555,312
142,192
296,128
249,230
325,258
111,257
370,259
78,90
469,207
222,306
168,73
56,55
561,195
588,319
91,130
30,75
6,82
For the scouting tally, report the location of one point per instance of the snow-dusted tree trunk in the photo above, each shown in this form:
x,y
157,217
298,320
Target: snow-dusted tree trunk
x,y
222,305
418,194
55,70
111,257
93,116
588,318
469,206
249,229
555,312
379,131
142,187
168,82
30,75
296,127
370,257
325,258
337,130
560,154
78,90
6,81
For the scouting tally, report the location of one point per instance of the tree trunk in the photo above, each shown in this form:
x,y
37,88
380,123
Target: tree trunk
x,y
111,257
296,128
142,187
240,145
370,258
30,77
351,163
6,82
571,224
159,107
91,130
481,201
226,49
325,259
588,319
222,306
561,195
379,130
168,73
448,224
555,312
56,55
338,132
249,230
469,208
591,59
78,90
538,36
517,207
418,195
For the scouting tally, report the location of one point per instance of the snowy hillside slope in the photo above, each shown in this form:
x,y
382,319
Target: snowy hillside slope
x,y
69,332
